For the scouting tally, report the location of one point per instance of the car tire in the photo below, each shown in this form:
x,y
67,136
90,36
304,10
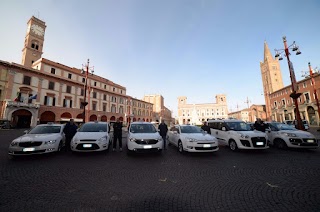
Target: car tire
x,y
180,147
281,144
233,145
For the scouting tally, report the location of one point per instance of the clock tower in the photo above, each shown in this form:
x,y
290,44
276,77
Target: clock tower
x,y
33,43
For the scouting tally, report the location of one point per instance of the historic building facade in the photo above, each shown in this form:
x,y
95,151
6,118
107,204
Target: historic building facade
x,y
160,112
279,104
250,114
40,90
196,114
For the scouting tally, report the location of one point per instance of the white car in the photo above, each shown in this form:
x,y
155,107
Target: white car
x,y
143,137
44,138
284,135
92,136
237,134
192,139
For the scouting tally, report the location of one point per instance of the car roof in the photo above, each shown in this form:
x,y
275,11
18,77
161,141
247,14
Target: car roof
x,y
96,122
182,125
140,122
49,124
226,120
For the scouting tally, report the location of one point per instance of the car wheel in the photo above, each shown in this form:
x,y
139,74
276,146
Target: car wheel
x,y
180,147
233,145
281,144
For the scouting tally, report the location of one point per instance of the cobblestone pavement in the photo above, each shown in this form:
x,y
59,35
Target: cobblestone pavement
x,y
270,180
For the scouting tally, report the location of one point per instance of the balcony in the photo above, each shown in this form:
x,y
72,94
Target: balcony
x,y
22,104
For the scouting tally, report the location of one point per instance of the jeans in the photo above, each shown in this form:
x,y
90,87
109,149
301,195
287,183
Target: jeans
x,y
115,138
164,137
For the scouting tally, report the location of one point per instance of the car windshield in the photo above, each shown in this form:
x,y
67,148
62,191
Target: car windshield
x,y
142,128
239,126
191,129
93,127
281,126
289,122
45,129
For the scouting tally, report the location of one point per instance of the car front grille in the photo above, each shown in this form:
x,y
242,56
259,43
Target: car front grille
x,y
30,144
93,147
88,140
28,153
203,148
147,141
254,141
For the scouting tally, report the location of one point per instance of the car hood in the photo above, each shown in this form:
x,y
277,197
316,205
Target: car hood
x,y
89,135
254,133
37,137
199,136
144,135
299,133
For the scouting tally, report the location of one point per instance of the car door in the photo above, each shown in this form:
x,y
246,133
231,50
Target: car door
x,y
171,134
271,133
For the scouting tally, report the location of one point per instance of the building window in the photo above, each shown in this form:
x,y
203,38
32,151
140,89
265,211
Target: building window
x,y
32,62
94,106
104,97
51,85
82,92
105,86
81,106
68,90
304,84
67,103
26,80
95,83
94,94
69,76
114,89
49,101
113,108
307,97
83,80
104,107
53,71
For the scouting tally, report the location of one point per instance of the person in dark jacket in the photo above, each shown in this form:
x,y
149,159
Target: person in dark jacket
x,y
260,125
206,128
117,135
69,130
163,128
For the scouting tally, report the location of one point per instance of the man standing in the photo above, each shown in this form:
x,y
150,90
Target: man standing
x,y
206,128
260,125
69,130
163,132
117,135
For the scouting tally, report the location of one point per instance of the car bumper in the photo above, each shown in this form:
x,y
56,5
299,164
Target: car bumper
x,y
199,148
31,150
89,147
133,146
302,143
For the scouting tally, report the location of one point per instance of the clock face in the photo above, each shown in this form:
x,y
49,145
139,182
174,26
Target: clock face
x,y
38,30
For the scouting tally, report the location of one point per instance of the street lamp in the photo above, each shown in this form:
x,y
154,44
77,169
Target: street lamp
x,y
85,103
313,85
294,95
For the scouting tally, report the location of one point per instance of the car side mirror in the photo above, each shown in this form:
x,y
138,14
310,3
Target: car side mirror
x,y
223,129
268,130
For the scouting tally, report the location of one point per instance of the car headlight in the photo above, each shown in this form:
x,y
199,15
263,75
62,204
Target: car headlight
x,y
191,139
132,139
14,143
102,139
243,135
50,142
289,134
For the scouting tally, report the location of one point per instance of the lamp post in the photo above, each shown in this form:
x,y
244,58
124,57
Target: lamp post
x,y
85,103
314,86
294,95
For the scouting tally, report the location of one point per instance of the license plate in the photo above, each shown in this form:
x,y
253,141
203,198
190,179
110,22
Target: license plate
x,y
87,145
206,145
310,141
28,149
147,146
259,143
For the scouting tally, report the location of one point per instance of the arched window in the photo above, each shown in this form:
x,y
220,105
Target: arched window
x,y
35,45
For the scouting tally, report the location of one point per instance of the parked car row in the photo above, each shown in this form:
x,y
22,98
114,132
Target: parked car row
x,y
144,137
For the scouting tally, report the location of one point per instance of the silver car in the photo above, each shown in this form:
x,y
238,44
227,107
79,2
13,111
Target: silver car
x,y
44,138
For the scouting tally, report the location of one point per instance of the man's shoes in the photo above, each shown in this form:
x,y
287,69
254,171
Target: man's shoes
x,y
120,149
113,150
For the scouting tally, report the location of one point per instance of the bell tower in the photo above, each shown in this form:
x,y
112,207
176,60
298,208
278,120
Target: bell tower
x,y
271,77
33,43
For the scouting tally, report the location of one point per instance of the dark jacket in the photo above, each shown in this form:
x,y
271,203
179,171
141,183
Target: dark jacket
x,y
163,129
260,126
70,130
117,128
206,128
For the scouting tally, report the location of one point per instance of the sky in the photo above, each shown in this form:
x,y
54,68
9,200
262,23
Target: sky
x,y
193,48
